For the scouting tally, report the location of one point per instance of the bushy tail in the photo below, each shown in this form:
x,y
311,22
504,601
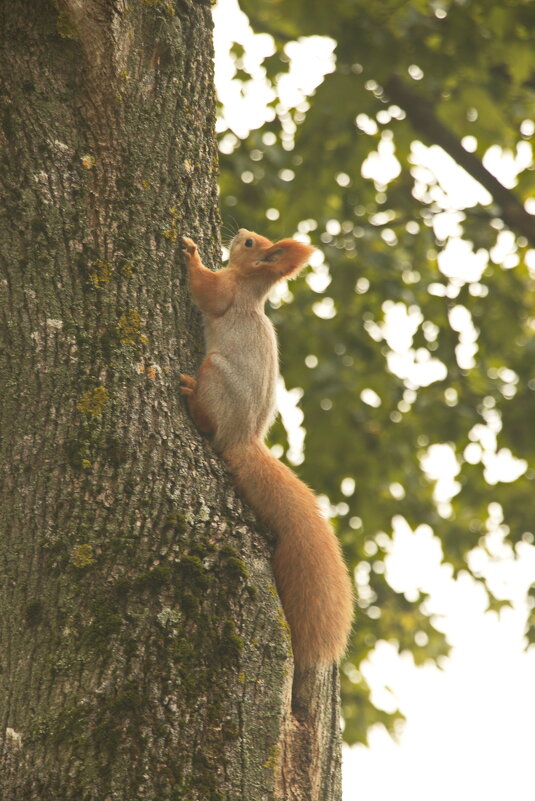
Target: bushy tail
x,y
312,579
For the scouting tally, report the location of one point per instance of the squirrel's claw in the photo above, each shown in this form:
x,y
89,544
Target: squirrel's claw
x,y
189,245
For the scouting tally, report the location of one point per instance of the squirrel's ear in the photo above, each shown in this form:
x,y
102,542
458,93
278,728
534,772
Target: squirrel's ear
x,y
272,255
286,257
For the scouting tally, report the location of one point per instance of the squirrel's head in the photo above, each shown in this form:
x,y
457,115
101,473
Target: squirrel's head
x,y
252,254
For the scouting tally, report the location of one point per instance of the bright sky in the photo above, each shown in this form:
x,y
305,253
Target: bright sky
x,y
469,732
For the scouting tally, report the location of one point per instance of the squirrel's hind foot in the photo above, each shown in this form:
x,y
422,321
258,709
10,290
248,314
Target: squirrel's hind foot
x,y
188,384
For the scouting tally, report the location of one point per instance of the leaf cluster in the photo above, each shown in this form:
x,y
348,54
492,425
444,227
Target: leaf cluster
x,y
473,66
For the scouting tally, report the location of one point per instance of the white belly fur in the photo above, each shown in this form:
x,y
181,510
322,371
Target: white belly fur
x,y
242,346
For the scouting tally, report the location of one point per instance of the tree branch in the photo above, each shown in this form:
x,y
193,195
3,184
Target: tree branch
x,y
423,119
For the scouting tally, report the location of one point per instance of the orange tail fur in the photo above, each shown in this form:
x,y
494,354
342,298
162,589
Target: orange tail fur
x,y
312,579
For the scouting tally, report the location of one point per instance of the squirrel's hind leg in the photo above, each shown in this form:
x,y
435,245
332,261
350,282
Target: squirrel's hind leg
x,y
188,387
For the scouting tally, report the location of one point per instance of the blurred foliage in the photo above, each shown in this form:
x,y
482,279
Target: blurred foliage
x,y
473,63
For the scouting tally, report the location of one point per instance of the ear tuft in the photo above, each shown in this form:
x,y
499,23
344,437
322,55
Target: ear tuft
x,y
287,257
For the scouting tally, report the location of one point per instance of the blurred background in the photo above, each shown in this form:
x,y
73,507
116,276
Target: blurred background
x,y
396,137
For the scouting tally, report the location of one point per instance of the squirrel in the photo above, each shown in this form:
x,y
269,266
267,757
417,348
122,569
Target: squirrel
x,y
233,400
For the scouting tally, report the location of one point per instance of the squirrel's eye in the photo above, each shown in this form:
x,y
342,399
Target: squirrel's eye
x,y
248,243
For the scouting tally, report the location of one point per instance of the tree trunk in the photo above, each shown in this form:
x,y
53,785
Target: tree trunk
x,y
143,651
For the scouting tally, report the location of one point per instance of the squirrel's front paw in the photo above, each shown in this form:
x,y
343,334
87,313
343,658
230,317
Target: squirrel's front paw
x,y
190,248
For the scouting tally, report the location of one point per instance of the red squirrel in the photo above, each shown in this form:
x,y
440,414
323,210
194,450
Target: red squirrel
x,y
233,399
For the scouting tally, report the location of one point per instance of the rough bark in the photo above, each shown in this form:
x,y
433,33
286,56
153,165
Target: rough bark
x,y
143,651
